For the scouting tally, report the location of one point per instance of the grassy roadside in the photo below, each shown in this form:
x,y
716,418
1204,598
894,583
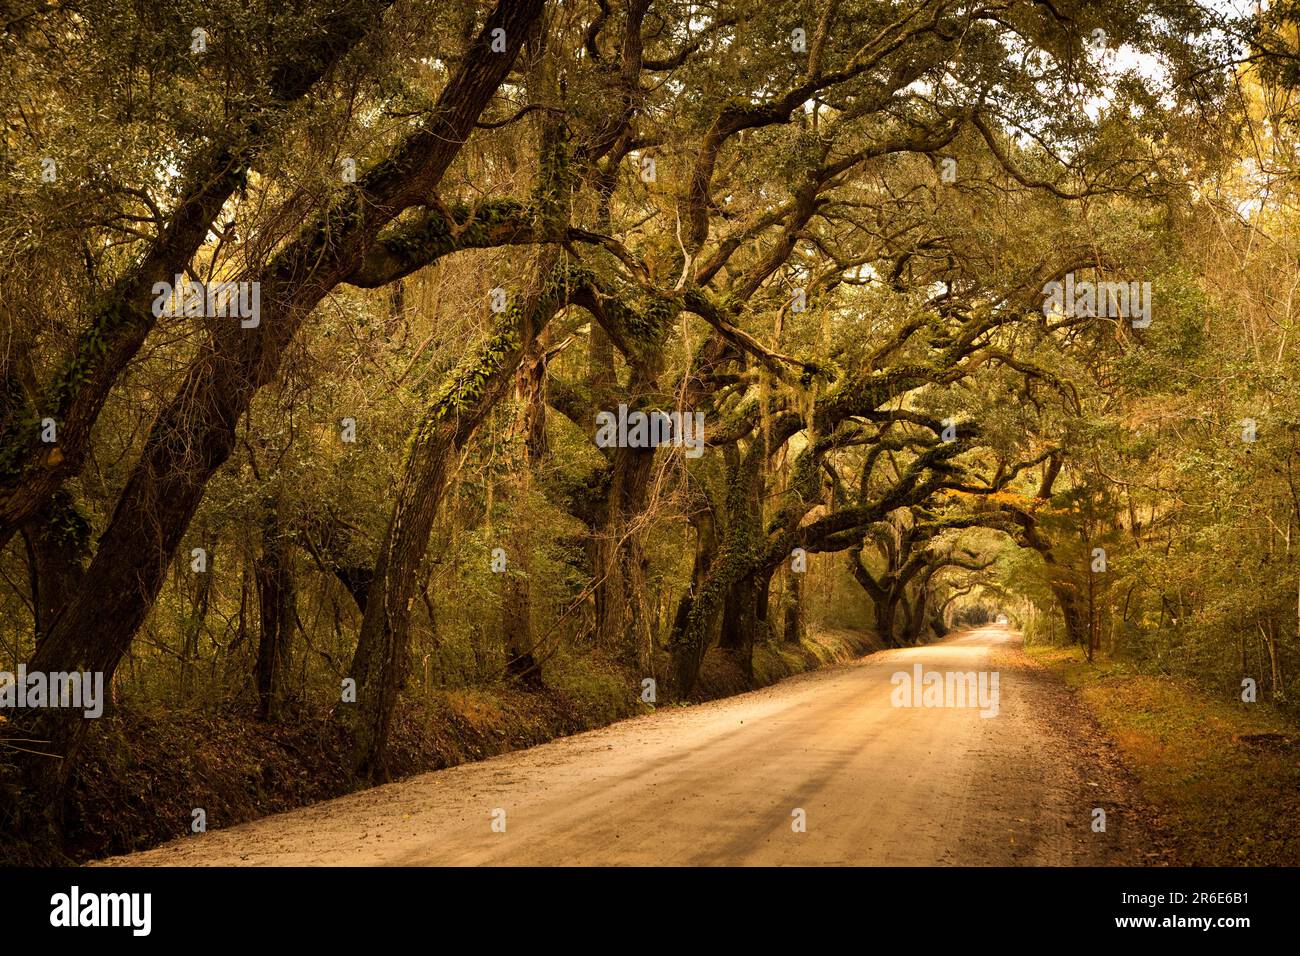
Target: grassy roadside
x,y
143,773
1223,776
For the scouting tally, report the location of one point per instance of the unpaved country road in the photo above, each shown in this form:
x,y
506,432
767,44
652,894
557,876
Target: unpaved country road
x,y
717,784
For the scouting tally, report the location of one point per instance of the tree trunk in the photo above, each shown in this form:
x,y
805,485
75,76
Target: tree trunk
x,y
793,631
706,550
916,617
1274,663
885,611
516,630
622,624
1073,611
381,663
276,606
739,622
729,589
938,624
57,543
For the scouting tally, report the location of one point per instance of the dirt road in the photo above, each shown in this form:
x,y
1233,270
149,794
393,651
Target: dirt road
x,y
720,783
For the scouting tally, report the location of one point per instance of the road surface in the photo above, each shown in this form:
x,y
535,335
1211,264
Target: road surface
x,y
721,783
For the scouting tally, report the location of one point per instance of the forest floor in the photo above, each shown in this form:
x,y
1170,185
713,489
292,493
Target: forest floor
x,y
729,782
1222,776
